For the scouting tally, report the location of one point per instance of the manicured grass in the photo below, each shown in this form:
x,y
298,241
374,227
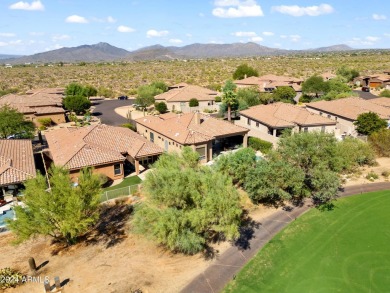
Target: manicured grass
x,y
126,182
343,250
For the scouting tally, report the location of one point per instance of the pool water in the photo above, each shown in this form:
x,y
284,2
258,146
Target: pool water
x,y
7,215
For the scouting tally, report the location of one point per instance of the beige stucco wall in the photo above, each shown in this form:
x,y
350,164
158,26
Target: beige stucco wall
x,y
107,170
343,125
55,118
177,106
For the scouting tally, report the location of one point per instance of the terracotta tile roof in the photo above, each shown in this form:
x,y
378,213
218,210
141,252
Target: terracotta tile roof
x,y
97,145
271,81
186,93
58,91
16,161
183,128
350,108
48,110
285,115
385,102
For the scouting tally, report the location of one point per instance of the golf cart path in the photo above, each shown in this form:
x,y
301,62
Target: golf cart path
x,y
228,264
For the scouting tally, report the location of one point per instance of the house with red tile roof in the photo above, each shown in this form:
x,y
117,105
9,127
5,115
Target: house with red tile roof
x,y
16,162
268,122
346,111
205,134
268,83
37,105
178,97
106,148
374,80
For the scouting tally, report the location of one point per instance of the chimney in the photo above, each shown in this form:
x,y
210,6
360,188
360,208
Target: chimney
x,y
197,118
245,76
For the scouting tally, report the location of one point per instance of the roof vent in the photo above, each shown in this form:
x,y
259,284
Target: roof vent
x,y
177,134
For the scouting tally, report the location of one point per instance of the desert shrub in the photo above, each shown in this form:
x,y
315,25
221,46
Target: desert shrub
x,y
381,142
130,126
161,107
194,102
45,121
385,93
10,278
372,176
218,99
386,173
353,152
259,145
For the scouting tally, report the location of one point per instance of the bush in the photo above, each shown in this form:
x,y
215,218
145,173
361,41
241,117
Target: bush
x,y
372,176
354,153
381,142
10,278
218,99
161,107
194,102
45,121
77,104
386,174
385,93
259,145
130,126
305,99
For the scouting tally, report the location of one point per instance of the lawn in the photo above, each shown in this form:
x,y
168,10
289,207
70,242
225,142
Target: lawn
x,y
133,180
343,250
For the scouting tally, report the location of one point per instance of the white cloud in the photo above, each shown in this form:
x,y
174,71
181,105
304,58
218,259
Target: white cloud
x,y
7,35
237,8
175,41
57,38
296,10
3,44
110,19
189,35
292,38
372,39
125,29
256,39
367,41
244,34
268,34
76,19
11,43
35,5
379,16
154,33
386,35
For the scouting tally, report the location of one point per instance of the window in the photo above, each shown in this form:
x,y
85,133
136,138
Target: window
x,y
321,113
329,116
306,129
151,136
335,118
202,152
257,124
322,128
146,130
249,121
117,169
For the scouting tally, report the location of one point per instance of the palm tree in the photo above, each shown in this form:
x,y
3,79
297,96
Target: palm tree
x,y
230,99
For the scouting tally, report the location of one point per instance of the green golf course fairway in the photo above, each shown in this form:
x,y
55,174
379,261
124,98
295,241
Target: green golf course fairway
x,y
343,250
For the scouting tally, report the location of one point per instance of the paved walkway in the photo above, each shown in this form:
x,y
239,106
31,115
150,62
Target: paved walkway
x,y
229,263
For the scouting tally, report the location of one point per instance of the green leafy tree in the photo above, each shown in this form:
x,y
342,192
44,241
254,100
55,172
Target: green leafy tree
x,y
12,122
243,71
63,211
314,85
274,181
250,96
284,93
194,102
368,123
229,98
105,92
145,96
74,89
260,145
347,74
336,89
160,85
380,141
187,204
236,164
89,91
78,104
161,107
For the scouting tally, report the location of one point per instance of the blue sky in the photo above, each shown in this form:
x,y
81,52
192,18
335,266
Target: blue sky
x,y
32,26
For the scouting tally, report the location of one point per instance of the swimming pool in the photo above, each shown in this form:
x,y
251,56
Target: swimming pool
x,y
10,214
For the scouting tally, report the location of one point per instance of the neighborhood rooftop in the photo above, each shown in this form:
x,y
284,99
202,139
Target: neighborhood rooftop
x,y
184,92
190,128
285,115
16,161
97,145
351,108
270,81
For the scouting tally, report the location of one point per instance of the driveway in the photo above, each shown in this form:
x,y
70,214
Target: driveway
x,y
229,263
365,95
105,110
